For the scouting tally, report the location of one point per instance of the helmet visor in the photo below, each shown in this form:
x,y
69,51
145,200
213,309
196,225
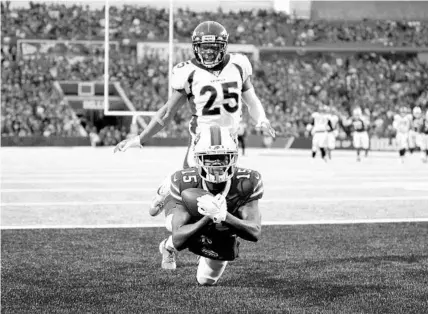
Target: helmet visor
x,y
217,167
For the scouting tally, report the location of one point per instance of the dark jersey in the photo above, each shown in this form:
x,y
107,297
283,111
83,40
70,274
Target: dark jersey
x,y
417,124
424,128
217,241
359,125
246,186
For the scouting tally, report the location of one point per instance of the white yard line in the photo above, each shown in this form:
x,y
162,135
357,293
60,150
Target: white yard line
x,y
144,171
279,179
279,200
282,187
265,223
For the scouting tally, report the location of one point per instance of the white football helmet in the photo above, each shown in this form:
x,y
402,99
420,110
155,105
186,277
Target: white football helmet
x,y
216,153
357,112
417,111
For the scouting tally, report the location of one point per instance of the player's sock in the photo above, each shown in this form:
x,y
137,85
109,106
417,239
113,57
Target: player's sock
x,y
169,243
411,150
322,153
329,153
402,152
314,153
366,152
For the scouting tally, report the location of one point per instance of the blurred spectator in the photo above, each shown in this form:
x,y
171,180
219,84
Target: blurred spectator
x,y
291,87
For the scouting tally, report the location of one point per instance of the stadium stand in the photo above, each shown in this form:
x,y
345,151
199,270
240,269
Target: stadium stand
x,y
291,85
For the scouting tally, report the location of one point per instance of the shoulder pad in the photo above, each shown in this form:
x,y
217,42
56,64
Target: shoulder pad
x,y
180,75
182,180
249,185
243,63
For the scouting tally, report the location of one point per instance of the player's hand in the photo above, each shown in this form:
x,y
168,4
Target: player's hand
x,y
220,201
125,144
213,206
266,127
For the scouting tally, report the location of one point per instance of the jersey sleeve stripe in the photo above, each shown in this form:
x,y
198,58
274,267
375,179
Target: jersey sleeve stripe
x,y
175,188
258,192
190,82
241,72
176,196
258,185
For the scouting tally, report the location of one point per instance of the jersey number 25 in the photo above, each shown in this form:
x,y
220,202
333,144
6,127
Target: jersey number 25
x,y
229,100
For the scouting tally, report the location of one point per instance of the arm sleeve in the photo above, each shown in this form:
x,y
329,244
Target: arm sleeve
x,y
175,189
255,108
258,190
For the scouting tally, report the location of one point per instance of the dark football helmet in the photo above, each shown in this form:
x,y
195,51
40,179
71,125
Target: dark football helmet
x,y
209,41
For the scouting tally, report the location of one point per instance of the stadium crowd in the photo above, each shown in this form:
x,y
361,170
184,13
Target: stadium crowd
x,y
259,27
290,86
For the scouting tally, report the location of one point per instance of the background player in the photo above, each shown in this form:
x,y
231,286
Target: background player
x,y
424,138
214,83
360,136
232,212
415,133
319,127
402,123
333,132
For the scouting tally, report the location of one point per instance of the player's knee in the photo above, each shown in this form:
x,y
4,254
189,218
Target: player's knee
x,y
168,223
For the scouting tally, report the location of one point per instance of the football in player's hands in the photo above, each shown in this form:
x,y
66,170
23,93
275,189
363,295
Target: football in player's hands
x,y
190,200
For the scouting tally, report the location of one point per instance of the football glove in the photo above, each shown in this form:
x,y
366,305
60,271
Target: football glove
x,y
125,144
266,127
213,206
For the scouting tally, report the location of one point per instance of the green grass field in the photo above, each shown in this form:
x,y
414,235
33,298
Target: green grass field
x,y
76,237
372,268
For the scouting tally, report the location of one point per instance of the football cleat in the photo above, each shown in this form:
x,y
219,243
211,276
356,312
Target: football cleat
x,y
158,201
168,256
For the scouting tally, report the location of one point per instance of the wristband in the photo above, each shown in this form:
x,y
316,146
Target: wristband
x,y
135,141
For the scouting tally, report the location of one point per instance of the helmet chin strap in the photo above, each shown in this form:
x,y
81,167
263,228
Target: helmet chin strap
x,y
215,62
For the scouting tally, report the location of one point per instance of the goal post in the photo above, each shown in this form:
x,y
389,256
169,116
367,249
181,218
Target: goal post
x,y
137,116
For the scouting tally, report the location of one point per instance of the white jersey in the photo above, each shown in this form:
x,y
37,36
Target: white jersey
x,y
241,129
215,97
402,123
320,122
334,120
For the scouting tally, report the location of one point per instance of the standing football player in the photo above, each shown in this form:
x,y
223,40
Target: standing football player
x,y
319,127
402,123
415,134
360,136
229,211
214,83
424,138
333,132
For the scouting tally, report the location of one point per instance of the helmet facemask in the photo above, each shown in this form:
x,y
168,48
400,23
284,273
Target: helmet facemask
x,y
216,167
210,54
